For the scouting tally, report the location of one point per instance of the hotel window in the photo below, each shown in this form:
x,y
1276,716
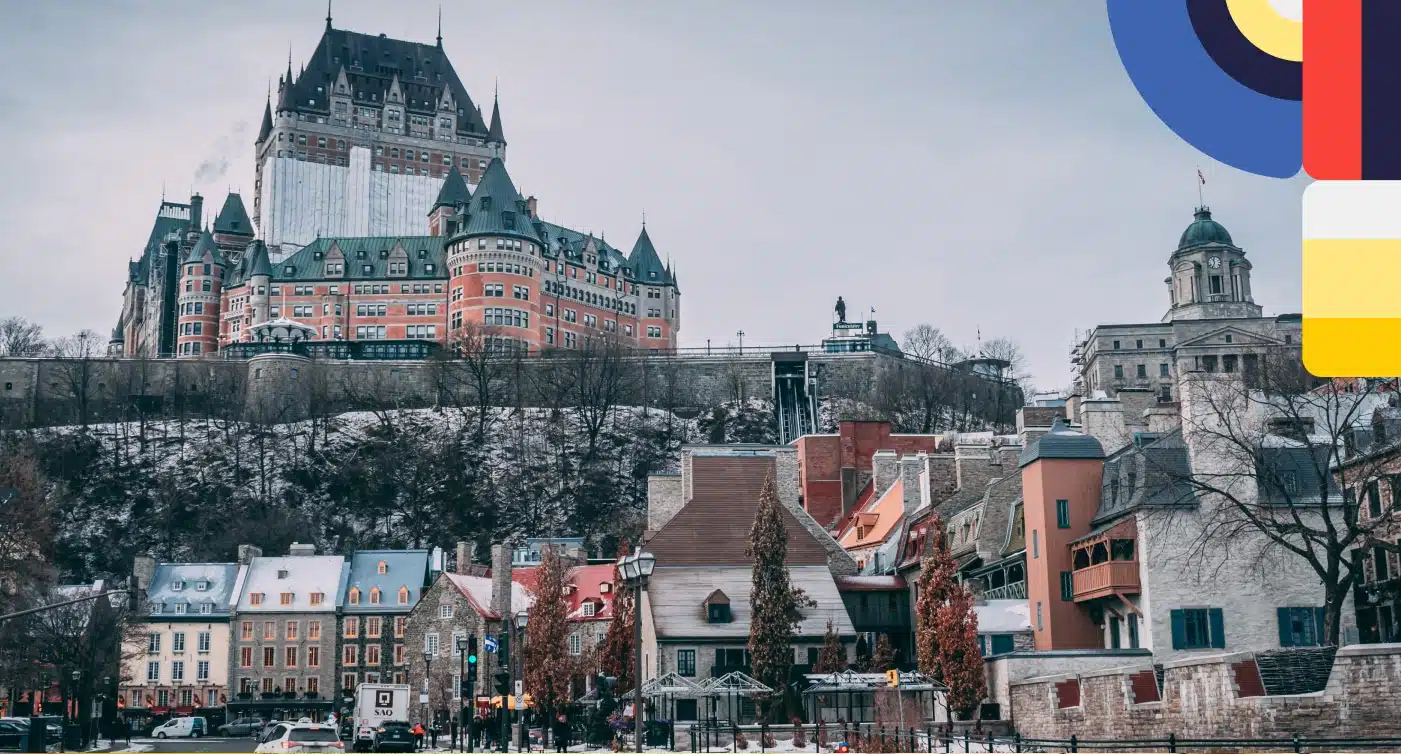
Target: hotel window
x,y
267,684
290,659
153,643
246,633
269,657
399,623
153,671
430,644
313,659
313,630
350,655
291,630
374,600
354,596
352,628
270,629
399,654
177,642
177,670
372,625
372,654
202,670
348,682
202,643
286,598
316,598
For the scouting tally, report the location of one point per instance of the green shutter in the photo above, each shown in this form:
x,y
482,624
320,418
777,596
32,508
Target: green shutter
x,y
1286,631
1179,629
1319,616
1067,586
1218,628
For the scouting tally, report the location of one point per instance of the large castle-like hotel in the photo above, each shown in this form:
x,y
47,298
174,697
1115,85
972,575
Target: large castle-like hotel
x,y
384,212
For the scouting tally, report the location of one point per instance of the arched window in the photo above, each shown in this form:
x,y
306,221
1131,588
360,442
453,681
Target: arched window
x,y
354,595
383,567
374,596
403,595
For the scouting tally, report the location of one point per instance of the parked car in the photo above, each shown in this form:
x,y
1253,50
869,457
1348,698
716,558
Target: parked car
x,y
182,727
242,726
53,732
13,736
300,738
393,735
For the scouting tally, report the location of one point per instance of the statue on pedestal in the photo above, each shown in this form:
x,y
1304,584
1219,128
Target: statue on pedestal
x,y
841,310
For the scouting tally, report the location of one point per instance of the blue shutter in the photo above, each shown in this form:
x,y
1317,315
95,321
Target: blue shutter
x,y
1319,616
1179,629
1218,628
1286,631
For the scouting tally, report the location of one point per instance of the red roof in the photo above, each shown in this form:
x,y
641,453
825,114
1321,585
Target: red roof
x,y
587,582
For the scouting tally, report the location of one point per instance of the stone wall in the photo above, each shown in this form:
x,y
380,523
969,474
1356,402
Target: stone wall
x,y
46,392
1005,670
664,499
1213,697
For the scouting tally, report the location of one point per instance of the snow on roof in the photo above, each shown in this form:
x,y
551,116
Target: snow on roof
x,y
300,575
477,589
1003,616
194,583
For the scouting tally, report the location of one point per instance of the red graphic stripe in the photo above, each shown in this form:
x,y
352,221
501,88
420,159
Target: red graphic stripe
x,y
1333,89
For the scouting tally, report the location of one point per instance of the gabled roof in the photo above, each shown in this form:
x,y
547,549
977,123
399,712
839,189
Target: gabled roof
x,y
884,512
677,597
712,529
559,240
587,582
403,568
304,575
454,191
233,218
371,63
717,597
193,584
477,590
1239,337
422,251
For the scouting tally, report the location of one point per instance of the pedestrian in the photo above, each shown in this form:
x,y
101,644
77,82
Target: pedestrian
x,y
561,733
417,736
128,723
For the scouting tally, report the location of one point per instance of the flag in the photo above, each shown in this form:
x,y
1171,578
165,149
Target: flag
x,y
1200,177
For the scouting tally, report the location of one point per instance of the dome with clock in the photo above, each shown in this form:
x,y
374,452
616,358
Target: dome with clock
x,y
1209,275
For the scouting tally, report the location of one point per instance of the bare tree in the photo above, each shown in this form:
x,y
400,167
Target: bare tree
x,y
927,342
75,356
473,373
1275,471
19,338
1010,351
26,524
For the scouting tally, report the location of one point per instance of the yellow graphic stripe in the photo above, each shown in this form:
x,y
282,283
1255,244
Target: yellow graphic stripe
x,y
1352,278
1352,347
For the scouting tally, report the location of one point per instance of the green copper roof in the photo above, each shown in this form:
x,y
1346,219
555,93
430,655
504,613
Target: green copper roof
x,y
259,264
1203,231
454,191
233,218
265,130
205,245
495,133
374,252
497,209
1061,443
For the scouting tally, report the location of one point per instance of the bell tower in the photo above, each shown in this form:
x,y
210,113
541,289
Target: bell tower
x,y
1209,275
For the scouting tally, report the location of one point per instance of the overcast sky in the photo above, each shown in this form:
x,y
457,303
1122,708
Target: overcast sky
x,y
974,164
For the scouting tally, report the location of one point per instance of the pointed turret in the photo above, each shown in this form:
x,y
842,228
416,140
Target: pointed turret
x,y
454,192
440,27
495,132
646,265
261,265
265,130
497,208
328,15
233,218
284,93
205,246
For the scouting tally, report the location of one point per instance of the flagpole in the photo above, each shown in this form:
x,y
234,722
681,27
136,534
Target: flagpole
x,y
1200,182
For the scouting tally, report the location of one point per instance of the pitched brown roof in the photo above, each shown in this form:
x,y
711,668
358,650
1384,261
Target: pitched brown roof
x,y
713,528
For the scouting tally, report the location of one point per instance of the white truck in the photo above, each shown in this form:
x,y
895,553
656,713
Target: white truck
x,y
376,704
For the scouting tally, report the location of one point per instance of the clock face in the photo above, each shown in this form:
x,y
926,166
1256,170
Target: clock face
x,y
1214,262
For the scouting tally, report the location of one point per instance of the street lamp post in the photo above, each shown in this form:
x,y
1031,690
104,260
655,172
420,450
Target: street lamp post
x,y
636,569
427,683
461,679
522,620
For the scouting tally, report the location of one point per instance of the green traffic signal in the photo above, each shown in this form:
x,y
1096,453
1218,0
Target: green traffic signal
x,y
471,659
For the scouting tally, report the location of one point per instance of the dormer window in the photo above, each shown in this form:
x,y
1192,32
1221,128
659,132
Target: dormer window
x,y
360,254
403,595
206,608
382,568
354,597
177,586
589,609
384,253
282,574
315,255
201,586
157,608
604,588
288,269
374,595
718,614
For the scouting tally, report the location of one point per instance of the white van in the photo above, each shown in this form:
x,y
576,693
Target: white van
x,y
182,727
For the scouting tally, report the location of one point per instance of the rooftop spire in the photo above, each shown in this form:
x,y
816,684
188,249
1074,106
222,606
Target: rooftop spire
x,y
440,26
328,15
494,131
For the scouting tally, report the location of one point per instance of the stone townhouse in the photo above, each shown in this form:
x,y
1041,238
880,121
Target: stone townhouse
x,y
177,660
383,586
1371,479
696,610
283,657
470,601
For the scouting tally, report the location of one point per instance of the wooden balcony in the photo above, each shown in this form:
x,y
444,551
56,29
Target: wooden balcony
x,y
1106,579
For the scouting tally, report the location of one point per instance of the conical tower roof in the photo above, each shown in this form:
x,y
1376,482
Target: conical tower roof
x,y
233,218
497,208
260,265
454,191
265,130
646,265
205,245
495,132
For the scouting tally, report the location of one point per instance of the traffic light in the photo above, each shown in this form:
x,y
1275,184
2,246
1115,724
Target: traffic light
x,y
503,682
892,677
471,660
503,649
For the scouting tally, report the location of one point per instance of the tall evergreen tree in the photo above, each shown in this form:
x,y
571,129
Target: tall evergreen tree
x,y
547,659
618,648
936,583
773,600
884,657
832,658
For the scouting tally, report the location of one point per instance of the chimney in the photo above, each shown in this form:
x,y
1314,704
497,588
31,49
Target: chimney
x,y
1163,418
910,466
196,210
143,568
575,555
939,479
1034,421
466,553
1103,419
1135,402
299,550
246,553
885,469
531,203
501,580
1296,428
973,465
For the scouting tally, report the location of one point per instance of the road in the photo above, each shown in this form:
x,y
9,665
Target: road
x,y
242,744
